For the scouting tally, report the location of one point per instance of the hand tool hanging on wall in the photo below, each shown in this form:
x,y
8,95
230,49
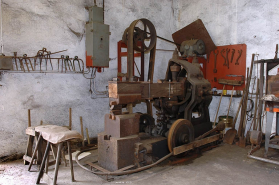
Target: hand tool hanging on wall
x,y
233,51
227,57
215,61
239,52
225,60
28,64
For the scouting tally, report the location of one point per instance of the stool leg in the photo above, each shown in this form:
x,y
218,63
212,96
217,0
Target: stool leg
x,y
57,163
70,160
47,163
43,163
29,148
34,153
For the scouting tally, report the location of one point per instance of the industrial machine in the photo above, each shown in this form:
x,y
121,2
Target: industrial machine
x,y
181,99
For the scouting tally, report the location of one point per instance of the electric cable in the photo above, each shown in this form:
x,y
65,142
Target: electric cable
x,y
123,172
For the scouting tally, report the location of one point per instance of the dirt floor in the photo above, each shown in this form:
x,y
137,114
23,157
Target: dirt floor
x,y
226,164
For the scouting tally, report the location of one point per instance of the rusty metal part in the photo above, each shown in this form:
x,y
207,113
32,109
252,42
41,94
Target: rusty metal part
x,y
256,137
219,127
195,144
15,54
215,61
174,70
181,132
195,30
225,60
227,57
233,51
240,53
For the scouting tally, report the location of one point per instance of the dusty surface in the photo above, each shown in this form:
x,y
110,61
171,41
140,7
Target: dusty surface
x,y
222,165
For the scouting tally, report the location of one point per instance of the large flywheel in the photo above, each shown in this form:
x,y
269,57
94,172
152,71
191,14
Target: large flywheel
x,y
147,35
180,133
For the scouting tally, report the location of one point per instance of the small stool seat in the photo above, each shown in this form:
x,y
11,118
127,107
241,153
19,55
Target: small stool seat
x,y
54,134
57,134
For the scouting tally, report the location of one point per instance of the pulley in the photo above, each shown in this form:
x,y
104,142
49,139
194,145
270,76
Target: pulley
x,y
180,133
148,39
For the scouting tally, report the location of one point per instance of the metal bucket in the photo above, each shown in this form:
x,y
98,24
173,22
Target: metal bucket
x,y
228,122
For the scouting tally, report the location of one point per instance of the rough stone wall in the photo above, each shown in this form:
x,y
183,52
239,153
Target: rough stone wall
x,y
253,22
30,25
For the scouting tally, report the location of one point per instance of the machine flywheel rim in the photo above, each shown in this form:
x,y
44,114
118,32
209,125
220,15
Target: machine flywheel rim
x,y
173,129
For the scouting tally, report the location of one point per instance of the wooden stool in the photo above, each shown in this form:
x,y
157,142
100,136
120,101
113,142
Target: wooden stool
x,y
54,134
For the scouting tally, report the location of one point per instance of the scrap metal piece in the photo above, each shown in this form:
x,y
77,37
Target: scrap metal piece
x,y
195,30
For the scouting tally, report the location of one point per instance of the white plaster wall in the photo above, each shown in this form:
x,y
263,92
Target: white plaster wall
x,y
253,22
29,25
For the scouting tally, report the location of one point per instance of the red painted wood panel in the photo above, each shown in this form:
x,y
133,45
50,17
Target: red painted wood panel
x,y
223,71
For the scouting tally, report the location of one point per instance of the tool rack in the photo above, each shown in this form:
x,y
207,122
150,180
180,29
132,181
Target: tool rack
x,y
269,104
271,107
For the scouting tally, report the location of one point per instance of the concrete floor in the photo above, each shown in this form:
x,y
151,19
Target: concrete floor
x,y
226,164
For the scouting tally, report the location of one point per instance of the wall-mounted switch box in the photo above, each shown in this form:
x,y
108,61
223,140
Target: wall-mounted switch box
x,y
97,39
